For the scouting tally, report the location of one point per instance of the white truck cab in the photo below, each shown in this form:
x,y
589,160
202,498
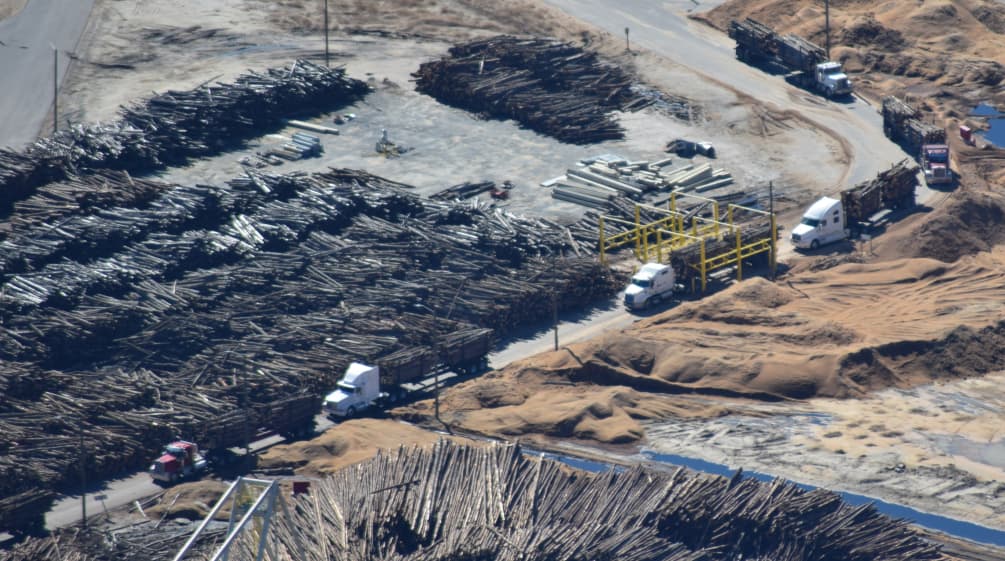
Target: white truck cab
x,y
823,223
831,79
358,389
650,285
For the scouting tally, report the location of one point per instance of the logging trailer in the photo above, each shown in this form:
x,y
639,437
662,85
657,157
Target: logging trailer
x,y
925,141
806,62
365,387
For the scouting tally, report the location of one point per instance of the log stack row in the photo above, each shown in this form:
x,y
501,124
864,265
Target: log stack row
x,y
170,128
550,87
127,325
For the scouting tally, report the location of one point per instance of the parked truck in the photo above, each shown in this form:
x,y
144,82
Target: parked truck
x,y
210,440
806,62
652,284
365,387
925,141
833,219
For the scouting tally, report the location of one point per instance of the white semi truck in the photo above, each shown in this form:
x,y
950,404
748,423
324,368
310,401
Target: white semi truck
x,y
364,387
652,284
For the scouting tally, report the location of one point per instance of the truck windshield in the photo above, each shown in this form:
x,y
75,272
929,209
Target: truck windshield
x,y
811,222
347,387
937,156
644,283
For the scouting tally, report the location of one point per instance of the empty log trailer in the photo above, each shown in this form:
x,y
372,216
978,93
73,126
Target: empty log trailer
x,y
806,62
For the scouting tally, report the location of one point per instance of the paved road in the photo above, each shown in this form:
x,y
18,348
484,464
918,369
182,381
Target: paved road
x,y
662,27
26,63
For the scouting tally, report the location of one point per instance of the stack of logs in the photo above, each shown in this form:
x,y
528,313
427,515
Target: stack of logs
x,y
892,188
550,87
172,127
166,310
456,502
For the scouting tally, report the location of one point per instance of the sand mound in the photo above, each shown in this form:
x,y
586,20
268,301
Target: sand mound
x,y
842,332
351,442
970,222
192,501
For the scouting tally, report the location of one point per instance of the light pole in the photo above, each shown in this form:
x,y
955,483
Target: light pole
x,y
827,26
326,33
55,88
627,47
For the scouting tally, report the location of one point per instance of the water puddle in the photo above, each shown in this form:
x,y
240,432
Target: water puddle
x,y
996,123
984,110
988,453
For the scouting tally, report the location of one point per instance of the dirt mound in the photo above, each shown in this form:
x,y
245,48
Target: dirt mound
x,y
352,442
969,222
840,332
192,501
865,31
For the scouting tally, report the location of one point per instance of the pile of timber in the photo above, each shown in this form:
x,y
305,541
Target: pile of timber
x,y
902,123
550,87
456,502
891,189
463,191
204,311
171,127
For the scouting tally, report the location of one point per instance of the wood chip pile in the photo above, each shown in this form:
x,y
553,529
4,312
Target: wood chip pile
x,y
169,128
184,313
550,87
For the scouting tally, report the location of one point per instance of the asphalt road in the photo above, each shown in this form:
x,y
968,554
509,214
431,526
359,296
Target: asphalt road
x,y
26,63
663,28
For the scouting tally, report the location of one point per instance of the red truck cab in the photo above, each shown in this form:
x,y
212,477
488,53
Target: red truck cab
x,y
935,163
179,460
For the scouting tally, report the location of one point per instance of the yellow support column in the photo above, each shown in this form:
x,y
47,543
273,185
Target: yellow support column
x,y
659,245
603,257
739,256
715,217
638,233
704,279
774,245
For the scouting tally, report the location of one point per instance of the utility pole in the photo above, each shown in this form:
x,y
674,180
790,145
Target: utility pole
x,y
827,25
55,88
554,299
326,33
627,47
83,482
774,228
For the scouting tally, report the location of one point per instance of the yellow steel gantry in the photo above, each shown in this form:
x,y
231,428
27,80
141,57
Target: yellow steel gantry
x,y
660,238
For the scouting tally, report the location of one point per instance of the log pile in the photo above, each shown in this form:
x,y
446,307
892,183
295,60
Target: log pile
x,y
892,188
172,127
455,502
204,312
550,87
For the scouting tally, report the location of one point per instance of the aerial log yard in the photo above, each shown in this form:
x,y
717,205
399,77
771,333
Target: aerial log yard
x,y
547,280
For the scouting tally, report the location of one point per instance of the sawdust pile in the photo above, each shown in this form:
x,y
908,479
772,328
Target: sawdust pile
x,y
350,443
191,501
842,333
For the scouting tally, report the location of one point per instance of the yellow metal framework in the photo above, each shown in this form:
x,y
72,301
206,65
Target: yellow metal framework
x,y
659,239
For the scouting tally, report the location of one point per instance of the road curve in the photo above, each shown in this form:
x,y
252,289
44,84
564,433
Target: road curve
x,y
663,28
26,63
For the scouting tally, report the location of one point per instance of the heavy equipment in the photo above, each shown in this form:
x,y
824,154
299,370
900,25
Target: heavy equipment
x,y
364,387
925,141
806,62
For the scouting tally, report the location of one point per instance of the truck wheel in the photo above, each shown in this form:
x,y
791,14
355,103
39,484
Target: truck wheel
x,y
815,245
350,413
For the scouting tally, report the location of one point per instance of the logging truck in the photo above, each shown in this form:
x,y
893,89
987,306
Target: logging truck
x,y
366,387
806,62
925,141
833,219
291,417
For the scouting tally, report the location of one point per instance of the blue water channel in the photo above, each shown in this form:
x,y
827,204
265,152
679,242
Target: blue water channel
x,y
996,124
951,526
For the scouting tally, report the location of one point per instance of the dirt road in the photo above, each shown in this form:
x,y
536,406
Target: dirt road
x,y
664,28
26,62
